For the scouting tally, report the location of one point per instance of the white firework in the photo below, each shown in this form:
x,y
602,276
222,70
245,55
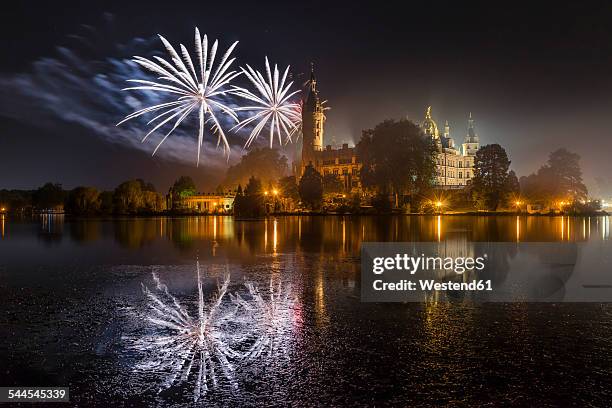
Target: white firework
x,y
183,348
273,106
198,86
272,317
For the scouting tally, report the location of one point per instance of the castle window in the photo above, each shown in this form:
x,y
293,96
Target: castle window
x,y
354,172
335,172
460,174
460,164
345,170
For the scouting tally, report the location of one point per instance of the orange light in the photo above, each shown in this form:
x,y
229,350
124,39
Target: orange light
x,y
275,192
265,193
438,203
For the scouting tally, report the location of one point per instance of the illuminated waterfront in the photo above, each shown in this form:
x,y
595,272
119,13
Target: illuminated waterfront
x,y
68,286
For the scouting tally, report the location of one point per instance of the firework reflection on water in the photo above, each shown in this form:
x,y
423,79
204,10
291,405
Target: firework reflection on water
x,y
203,343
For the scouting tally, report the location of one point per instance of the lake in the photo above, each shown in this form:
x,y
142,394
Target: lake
x,y
114,309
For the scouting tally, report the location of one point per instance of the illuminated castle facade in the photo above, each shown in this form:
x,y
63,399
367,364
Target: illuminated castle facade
x,y
341,162
454,164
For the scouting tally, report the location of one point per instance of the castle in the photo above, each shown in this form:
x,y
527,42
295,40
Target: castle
x,y
455,166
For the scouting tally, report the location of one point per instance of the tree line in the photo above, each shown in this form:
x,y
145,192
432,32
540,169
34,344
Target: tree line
x,y
398,172
130,197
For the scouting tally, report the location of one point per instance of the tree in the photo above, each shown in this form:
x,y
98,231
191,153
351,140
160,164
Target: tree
x,y
265,164
311,187
127,197
490,182
83,201
249,203
106,202
559,179
239,201
49,196
332,184
289,188
512,183
567,175
183,187
135,196
397,158
16,200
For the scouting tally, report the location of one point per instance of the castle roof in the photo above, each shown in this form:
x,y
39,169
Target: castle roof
x,y
429,125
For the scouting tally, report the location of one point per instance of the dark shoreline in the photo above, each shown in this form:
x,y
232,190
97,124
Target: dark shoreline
x,y
317,214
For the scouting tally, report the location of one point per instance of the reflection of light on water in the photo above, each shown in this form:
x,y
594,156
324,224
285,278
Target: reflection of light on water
x,y
52,223
320,298
265,234
343,234
589,227
562,228
584,228
605,228
2,225
439,228
215,228
518,229
275,236
273,314
182,348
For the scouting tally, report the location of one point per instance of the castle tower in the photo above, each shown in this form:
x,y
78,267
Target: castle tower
x,y
313,119
472,143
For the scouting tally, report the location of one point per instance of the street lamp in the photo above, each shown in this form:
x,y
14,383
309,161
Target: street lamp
x,y
275,192
265,193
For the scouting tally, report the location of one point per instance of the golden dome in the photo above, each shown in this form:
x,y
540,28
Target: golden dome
x,y
429,125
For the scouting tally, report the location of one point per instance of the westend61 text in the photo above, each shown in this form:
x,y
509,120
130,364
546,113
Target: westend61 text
x,y
430,284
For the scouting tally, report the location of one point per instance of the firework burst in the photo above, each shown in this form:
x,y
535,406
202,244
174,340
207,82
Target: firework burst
x,y
202,90
272,104
183,348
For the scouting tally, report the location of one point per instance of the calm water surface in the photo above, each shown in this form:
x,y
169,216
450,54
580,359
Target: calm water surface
x,y
71,302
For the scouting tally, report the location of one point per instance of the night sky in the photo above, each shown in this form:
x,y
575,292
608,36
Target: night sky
x,y
535,77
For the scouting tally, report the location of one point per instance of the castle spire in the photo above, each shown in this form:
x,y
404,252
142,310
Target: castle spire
x,y
471,136
313,79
